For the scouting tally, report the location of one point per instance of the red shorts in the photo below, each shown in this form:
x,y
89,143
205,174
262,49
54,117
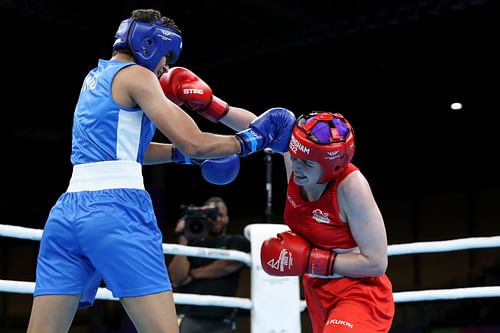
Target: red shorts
x,y
348,305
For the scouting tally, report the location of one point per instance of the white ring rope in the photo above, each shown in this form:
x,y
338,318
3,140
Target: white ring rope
x,y
243,303
206,252
444,294
13,231
25,287
444,246
173,249
392,250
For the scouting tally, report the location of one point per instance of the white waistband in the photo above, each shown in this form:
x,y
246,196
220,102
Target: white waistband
x,y
106,175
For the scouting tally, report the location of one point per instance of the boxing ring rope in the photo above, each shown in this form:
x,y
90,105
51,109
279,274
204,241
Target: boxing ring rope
x,y
262,285
25,287
393,250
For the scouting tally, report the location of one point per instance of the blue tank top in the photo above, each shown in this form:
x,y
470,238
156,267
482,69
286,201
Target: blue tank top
x,y
104,130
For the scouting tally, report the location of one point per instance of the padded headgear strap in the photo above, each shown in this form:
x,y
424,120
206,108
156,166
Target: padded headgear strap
x,y
148,42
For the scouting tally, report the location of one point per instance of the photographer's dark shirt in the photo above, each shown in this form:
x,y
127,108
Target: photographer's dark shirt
x,y
222,286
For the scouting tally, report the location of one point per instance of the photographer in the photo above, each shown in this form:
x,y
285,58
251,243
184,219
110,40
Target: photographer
x,y
206,227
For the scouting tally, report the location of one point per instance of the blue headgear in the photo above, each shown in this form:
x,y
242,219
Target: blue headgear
x,y
149,42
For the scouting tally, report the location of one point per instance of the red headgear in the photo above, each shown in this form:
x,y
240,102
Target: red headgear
x,y
326,138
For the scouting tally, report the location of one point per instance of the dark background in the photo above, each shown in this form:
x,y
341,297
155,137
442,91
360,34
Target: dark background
x,y
391,67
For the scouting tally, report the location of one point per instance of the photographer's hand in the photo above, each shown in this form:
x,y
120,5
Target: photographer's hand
x,y
179,231
179,227
189,278
183,240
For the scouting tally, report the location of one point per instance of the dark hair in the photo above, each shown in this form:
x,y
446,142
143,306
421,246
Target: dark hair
x,y
215,200
152,15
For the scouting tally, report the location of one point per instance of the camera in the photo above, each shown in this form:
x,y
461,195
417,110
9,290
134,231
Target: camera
x,y
196,220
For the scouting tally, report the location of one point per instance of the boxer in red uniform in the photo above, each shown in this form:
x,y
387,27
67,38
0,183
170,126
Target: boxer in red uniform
x,y
337,241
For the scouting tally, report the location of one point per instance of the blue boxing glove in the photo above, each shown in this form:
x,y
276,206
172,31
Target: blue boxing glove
x,y
272,129
221,171
218,171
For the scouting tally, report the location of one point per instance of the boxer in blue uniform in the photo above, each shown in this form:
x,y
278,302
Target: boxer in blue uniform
x,y
103,227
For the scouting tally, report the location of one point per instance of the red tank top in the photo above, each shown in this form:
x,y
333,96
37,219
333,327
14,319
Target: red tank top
x,y
319,221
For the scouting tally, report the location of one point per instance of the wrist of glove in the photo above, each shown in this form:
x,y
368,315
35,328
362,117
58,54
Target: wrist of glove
x,y
321,262
251,141
272,129
179,158
215,110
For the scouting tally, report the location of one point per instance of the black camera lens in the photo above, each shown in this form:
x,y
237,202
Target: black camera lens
x,y
196,226
196,219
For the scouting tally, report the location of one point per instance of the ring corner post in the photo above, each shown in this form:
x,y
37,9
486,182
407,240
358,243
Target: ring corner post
x,y
275,300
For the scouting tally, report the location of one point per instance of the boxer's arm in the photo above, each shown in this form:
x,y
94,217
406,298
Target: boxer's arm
x,y
158,153
359,209
184,87
238,119
144,89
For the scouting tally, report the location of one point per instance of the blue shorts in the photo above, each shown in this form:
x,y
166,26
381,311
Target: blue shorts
x,y
107,234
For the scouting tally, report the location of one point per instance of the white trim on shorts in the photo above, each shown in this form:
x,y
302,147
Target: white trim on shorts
x,y
106,175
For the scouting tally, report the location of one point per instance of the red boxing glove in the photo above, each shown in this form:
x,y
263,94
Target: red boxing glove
x,y
182,86
288,254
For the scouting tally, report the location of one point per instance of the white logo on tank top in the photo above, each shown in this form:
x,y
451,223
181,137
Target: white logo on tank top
x,y
290,200
320,217
89,83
